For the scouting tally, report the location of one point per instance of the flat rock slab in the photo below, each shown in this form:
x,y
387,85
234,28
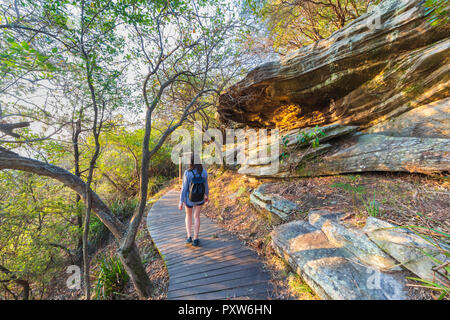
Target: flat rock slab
x,y
331,132
376,152
330,270
353,240
414,252
220,268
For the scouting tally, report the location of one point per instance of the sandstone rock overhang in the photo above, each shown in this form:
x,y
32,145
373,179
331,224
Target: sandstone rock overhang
x,y
362,74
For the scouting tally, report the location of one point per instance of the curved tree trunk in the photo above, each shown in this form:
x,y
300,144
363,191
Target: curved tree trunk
x,y
25,295
130,258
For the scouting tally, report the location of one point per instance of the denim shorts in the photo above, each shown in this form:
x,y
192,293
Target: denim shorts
x,y
198,204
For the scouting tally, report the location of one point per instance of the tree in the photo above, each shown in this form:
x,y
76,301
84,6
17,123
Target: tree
x,y
295,23
185,48
36,221
89,48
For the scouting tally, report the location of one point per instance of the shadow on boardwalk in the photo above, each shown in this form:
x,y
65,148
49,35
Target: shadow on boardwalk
x,y
220,268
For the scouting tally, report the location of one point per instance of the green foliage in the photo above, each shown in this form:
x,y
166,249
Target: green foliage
x,y
358,191
17,57
34,217
372,206
59,60
440,241
111,279
98,233
296,23
298,286
123,209
119,164
437,11
311,137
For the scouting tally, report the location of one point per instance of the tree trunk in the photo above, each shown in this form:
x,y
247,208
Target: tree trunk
x,y
76,156
135,269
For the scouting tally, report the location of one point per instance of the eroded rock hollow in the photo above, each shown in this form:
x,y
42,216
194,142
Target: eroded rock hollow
x,y
378,67
385,75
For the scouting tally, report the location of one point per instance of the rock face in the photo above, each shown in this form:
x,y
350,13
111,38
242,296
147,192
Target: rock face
x,y
361,153
427,121
330,269
383,153
377,68
388,80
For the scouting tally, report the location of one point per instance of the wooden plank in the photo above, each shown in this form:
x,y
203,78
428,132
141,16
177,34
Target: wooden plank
x,y
232,288
218,254
215,252
201,261
179,239
202,267
245,273
168,233
156,228
216,272
220,268
258,291
217,268
207,244
156,225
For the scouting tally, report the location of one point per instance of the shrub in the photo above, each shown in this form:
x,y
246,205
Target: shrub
x,y
124,209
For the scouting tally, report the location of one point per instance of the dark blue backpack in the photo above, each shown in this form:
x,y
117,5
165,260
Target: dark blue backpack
x,y
197,187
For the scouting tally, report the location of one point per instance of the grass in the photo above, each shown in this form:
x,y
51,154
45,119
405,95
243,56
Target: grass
x,y
440,241
372,207
124,209
111,279
299,288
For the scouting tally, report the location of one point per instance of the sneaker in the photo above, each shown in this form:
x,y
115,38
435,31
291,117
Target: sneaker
x,y
188,240
195,242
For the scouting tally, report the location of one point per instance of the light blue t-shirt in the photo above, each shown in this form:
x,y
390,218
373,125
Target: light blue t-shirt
x,y
184,196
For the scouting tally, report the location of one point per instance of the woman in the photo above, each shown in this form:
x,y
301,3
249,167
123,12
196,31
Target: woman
x,y
195,170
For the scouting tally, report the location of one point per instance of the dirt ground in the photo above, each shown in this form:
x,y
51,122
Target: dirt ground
x,y
403,199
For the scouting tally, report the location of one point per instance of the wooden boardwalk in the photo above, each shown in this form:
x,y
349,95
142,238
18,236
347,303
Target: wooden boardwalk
x,y
221,267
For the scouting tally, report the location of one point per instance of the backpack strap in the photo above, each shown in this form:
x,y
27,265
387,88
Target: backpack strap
x,y
194,171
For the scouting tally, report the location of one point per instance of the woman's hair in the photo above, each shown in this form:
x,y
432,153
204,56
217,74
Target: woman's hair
x,y
196,164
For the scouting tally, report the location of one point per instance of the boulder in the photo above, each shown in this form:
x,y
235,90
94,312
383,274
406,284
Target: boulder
x,y
273,203
414,252
363,74
330,270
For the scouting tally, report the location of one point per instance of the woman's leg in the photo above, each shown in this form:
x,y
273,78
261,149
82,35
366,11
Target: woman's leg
x,y
188,220
196,221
